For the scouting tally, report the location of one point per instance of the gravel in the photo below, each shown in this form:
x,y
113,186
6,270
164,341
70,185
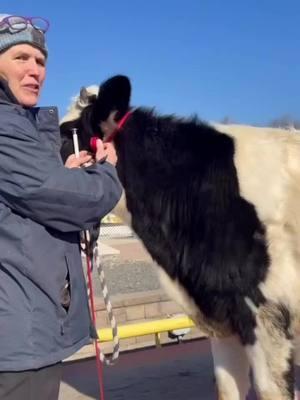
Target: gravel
x,y
126,276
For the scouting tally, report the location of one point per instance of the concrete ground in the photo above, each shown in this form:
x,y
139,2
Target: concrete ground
x,y
174,372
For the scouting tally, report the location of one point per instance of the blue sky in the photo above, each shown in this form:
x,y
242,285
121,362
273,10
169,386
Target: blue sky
x,y
235,58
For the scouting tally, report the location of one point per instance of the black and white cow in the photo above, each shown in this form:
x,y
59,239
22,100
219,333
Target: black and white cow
x,y
218,209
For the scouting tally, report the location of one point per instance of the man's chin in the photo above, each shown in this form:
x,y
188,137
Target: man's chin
x,y
29,100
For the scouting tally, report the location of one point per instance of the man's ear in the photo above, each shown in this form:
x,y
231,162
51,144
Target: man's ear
x,y
114,95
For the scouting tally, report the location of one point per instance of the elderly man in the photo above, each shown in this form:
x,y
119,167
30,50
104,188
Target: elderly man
x,y
44,314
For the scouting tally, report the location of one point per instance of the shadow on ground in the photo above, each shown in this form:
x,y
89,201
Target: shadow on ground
x,y
174,372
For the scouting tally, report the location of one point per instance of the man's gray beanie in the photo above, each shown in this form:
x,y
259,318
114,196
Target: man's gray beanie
x,y
29,35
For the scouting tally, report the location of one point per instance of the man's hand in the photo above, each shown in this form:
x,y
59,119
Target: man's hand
x,y
84,159
106,152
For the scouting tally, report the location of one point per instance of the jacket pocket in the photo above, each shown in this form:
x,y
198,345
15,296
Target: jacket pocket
x,y
65,292
76,323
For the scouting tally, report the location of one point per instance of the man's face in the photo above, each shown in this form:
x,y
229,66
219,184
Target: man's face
x,y
24,68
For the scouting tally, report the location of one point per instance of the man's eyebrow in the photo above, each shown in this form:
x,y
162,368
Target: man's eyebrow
x,y
21,52
27,54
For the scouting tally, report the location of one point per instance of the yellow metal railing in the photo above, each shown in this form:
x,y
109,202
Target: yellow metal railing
x,y
146,328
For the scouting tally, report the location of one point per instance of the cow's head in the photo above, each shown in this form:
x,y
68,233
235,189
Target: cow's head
x,y
95,112
112,103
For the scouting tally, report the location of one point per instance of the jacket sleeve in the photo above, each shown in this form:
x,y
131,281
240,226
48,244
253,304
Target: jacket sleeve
x,y
35,184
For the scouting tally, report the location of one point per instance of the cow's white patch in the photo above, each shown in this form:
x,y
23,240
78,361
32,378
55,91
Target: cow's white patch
x,y
78,104
121,210
178,294
268,167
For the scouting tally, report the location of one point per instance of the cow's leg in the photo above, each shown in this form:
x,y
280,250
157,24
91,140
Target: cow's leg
x,y
271,356
231,368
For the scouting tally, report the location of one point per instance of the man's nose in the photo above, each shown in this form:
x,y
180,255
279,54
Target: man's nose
x,y
33,68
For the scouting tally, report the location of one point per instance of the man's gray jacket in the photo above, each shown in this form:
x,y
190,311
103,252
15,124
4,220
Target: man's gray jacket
x,y
43,207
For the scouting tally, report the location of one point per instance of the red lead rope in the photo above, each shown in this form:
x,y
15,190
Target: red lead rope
x,y
93,145
121,123
93,312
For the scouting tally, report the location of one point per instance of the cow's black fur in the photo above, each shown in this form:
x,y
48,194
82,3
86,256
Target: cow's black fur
x,y
183,194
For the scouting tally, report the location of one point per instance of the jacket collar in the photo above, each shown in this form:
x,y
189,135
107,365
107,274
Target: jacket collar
x,y
45,119
6,95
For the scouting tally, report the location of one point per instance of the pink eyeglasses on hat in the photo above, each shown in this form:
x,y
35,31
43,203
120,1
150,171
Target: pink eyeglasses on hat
x,y
16,23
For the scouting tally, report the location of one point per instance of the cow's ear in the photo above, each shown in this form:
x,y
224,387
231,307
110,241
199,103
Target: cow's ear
x,y
114,95
83,96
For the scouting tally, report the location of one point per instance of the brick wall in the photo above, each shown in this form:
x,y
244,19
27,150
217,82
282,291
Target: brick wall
x,y
134,308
